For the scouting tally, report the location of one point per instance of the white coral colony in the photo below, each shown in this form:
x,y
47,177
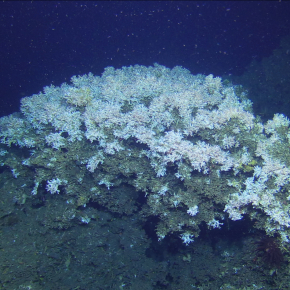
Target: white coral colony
x,y
183,140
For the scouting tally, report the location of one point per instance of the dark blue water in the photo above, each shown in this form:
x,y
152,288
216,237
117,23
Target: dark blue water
x,y
46,43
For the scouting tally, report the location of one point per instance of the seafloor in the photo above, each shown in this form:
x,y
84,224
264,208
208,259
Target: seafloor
x,y
121,252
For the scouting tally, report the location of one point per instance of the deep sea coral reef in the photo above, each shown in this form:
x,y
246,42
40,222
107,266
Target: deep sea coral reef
x,y
189,145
